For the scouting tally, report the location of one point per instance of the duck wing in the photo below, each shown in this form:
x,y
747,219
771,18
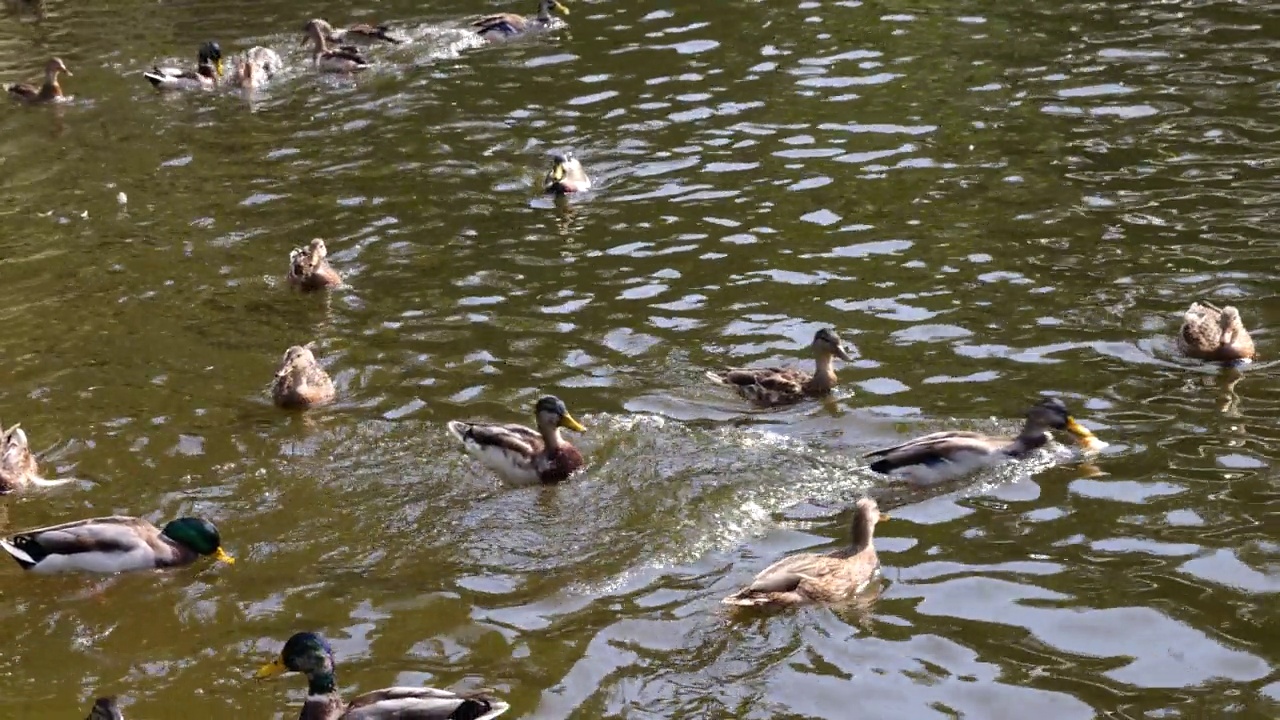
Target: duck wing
x,y
406,703
503,23
933,449
115,534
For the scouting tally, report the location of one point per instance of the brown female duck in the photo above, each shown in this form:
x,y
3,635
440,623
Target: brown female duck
x,y
48,92
18,467
1215,334
301,382
360,34
522,455
503,25
780,386
309,267
342,59
819,578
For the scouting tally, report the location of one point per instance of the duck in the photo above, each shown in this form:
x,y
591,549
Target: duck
x,y
255,66
504,25
49,91
205,76
310,654
522,455
566,176
309,267
343,59
115,544
1215,334
807,578
954,453
774,386
361,34
18,467
105,708
301,382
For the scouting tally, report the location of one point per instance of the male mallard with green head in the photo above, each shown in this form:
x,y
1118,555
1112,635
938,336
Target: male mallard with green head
x,y
774,386
342,59
1215,334
115,544
309,267
47,92
819,578
566,176
954,453
205,76
503,25
519,454
105,709
309,653
301,382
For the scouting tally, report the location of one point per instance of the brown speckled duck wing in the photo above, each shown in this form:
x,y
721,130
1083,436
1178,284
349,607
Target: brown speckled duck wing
x,y
23,91
373,32
933,448
406,703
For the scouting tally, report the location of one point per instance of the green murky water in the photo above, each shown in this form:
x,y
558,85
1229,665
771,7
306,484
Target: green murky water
x,y
990,201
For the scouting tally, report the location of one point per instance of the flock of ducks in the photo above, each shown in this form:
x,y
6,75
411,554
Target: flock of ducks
x,y
518,454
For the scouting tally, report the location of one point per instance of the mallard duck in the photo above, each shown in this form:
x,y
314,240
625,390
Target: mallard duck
x,y
301,382
780,386
522,455
205,76
309,267
310,654
814,578
492,27
47,92
345,58
18,467
361,34
115,544
255,66
566,176
954,453
105,709
1218,335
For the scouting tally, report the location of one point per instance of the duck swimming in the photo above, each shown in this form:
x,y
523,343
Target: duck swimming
x,y
310,654
955,453
115,544
18,467
1215,334
309,267
504,25
566,176
47,92
773,386
520,454
343,59
819,578
301,382
204,77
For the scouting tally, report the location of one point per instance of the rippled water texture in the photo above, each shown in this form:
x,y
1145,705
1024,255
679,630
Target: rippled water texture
x,y
991,201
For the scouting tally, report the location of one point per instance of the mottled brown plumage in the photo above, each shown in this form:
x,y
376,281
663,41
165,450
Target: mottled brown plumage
x,y
819,578
1215,334
341,59
47,92
772,386
301,382
502,25
18,467
309,267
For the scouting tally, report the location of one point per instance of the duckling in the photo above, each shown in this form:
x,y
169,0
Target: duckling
x,y
115,544
205,76
309,653
105,709
255,66
361,34
301,382
345,58
521,455
566,176
952,454
503,25
18,467
1218,335
309,267
48,92
781,386
813,578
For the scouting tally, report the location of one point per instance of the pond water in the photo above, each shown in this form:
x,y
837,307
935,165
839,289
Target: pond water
x,y
990,201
